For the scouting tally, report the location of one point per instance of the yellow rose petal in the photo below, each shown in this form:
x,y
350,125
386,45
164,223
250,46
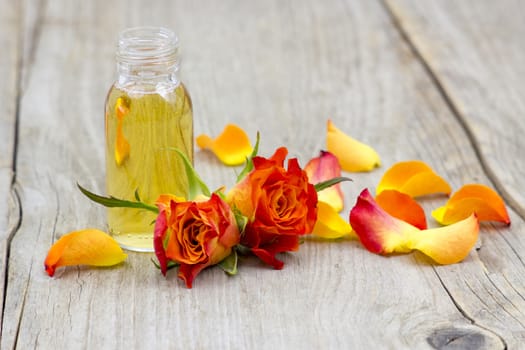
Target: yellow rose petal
x,y
353,155
84,247
232,146
414,178
330,224
449,244
473,198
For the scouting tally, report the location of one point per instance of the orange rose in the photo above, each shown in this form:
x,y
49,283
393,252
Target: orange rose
x,y
280,206
194,234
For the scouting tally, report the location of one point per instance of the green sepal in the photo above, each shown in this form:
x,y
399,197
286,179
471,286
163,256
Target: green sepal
x,y
243,250
328,183
112,202
195,184
219,193
171,264
248,166
241,220
229,264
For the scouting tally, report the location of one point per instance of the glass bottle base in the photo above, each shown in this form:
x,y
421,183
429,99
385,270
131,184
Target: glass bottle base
x,y
135,241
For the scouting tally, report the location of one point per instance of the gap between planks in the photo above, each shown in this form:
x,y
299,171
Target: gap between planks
x,y
396,23
436,81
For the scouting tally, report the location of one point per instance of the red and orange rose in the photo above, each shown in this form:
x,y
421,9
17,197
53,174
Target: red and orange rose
x,y
280,205
194,234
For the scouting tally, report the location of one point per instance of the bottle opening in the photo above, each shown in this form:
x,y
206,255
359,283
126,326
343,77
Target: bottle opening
x,y
147,46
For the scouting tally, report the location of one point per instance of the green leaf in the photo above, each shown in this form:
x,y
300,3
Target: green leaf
x,y
229,264
328,183
195,184
248,166
112,202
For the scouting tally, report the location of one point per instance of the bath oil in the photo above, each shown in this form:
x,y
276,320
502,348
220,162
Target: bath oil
x,y
148,115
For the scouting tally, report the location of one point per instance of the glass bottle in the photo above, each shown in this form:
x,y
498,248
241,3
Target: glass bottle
x,y
148,113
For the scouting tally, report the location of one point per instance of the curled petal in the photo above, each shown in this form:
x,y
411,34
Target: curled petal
x,y
353,155
380,232
414,178
449,244
84,247
232,146
330,224
323,168
473,198
403,207
280,244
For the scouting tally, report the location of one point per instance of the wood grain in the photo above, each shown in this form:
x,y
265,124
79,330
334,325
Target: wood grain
x,y
9,70
282,68
476,53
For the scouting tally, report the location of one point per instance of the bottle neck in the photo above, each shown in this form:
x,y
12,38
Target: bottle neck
x,y
147,57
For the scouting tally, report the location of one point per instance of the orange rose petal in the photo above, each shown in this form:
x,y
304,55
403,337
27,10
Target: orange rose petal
x,y
414,178
232,146
403,207
380,232
122,147
330,224
450,244
84,247
473,198
353,155
323,168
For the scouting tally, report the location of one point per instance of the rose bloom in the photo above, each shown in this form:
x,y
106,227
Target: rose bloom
x,y
194,234
280,206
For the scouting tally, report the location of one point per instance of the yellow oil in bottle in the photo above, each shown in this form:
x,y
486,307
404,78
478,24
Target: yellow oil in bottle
x,y
141,131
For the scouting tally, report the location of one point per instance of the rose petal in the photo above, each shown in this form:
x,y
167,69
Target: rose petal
x,y
380,232
414,178
187,273
323,168
232,146
403,207
473,198
330,224
449,244
353,155
122,147
84,247
281,244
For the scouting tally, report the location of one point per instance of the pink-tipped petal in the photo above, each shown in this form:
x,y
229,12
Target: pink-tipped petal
x,y
380,232
323,168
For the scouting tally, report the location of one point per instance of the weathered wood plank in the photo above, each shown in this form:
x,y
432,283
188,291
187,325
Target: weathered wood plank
x,y
476,50
9,59
283,69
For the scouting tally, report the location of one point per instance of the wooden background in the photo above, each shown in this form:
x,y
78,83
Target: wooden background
x,y
441,81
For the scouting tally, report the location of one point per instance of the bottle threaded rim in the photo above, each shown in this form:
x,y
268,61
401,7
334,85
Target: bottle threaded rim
x,y
147,46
